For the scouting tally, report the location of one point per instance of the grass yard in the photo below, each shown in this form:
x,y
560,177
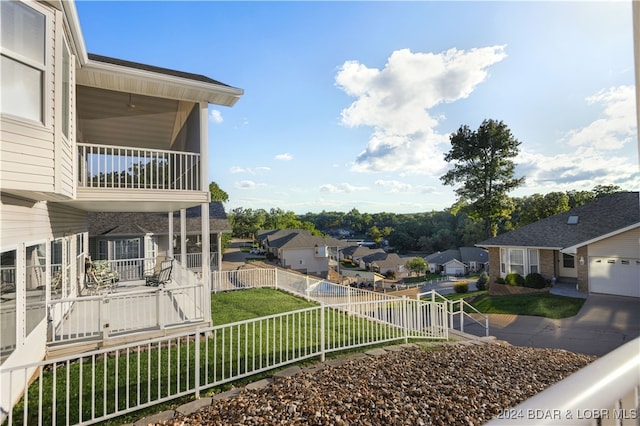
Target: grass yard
x,y
246,304
537,304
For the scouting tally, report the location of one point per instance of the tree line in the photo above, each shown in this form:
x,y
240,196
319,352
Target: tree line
x,y
406,232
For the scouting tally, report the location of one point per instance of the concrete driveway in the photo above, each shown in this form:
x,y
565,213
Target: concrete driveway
x,y
602,324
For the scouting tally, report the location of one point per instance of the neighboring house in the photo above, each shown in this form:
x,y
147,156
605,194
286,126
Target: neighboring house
x,y
356,252
382,262
596,245
299,250
133,235
458,262
85,133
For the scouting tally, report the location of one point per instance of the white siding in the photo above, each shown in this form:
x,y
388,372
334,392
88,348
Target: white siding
x,y
626,244
24,221
30,153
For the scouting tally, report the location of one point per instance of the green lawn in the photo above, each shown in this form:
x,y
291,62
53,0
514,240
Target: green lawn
x,y
537,304
254,303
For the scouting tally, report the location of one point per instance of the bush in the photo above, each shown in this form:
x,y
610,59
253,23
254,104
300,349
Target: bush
x,y
515,279
461,287
483,281
535,280
500,280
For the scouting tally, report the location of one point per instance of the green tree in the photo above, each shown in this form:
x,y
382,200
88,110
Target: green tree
x,y
603,190
483,165
537,206
217,194
416,265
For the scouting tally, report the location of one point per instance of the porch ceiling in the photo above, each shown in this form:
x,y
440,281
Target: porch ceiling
x,y
108,117
115,200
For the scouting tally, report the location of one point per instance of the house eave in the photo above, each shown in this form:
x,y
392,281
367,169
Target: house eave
x,y
574,248
144,82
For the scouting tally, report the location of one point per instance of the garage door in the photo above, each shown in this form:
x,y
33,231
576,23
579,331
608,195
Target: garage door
x,y
613,275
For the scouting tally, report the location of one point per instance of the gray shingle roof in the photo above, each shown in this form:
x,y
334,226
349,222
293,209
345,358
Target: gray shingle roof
x,y
154,69
600,217
140,223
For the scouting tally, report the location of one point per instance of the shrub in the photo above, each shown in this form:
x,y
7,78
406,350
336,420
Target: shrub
x,y
500,280
515,279
535,280
483,281
461,287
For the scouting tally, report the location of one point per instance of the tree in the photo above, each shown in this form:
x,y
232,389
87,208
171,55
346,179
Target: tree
x,y
482,163
217,194
417,265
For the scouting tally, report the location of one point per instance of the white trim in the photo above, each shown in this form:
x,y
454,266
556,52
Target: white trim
x,y
574,249
162,79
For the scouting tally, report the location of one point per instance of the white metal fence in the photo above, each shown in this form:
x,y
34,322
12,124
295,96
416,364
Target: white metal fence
x,y
102,384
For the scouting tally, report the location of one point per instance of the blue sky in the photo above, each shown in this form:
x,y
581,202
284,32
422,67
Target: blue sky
x,y
351,104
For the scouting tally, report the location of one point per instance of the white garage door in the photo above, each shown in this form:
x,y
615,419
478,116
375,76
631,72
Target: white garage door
x,y
613,275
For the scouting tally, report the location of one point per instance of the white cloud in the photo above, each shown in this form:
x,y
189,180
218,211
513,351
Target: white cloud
x,y
592,159
342,188
394,185
248,184
216,116
395,102
284,157
615,128
252,171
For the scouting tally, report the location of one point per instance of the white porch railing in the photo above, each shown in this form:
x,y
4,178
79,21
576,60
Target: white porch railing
x,y
194,260
605,392
114,314
117,167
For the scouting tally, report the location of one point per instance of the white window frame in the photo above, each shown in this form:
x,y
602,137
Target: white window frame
x,y
43,67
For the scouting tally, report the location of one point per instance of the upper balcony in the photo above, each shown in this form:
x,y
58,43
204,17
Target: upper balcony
x,y
137,152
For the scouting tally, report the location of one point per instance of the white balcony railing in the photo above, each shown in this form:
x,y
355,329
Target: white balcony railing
x,y
117,167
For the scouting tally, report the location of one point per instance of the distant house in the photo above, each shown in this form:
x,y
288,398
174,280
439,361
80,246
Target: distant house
x,y
382,262
596,245
458,262
299,250
136,235
355,252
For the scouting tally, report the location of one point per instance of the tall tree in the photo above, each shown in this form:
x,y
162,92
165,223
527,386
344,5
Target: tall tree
x,y
483,165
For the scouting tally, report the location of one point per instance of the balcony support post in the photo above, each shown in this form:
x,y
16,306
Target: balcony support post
x,y
170,250
183,237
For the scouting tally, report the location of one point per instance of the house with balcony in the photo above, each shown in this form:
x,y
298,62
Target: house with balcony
x,y
121,237
85,134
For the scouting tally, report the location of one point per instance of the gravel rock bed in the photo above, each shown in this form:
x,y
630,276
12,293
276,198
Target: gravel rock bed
x,y
451,385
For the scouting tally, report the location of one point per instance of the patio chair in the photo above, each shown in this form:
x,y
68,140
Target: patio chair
x,y
100,277
163,276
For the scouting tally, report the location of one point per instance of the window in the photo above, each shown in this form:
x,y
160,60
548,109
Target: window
x,y
533,261
516,261
503,260
56,269
127,249
66,90
568,261
23,47
8,306
35,300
